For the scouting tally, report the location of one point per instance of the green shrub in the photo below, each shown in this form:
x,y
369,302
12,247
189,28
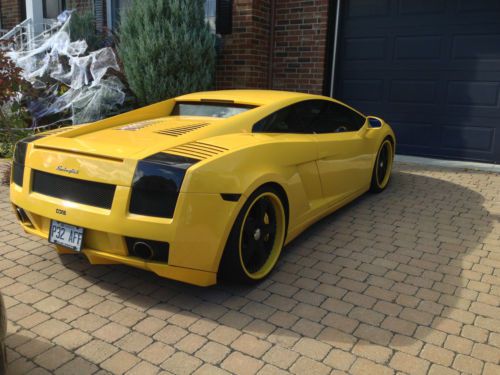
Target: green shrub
x,y
166,48
14,117
83,26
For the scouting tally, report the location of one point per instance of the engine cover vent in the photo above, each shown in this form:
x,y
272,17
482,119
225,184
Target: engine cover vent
x,y
198,150
175,132
139,125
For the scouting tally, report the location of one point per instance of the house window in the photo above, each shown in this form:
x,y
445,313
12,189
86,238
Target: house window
x,y
210,13
115,7
52,8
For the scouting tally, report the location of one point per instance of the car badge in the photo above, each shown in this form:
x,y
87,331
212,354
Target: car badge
x,y
60,168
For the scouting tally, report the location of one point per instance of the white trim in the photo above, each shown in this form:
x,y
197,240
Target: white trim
x,y
34,11
335,47
109,15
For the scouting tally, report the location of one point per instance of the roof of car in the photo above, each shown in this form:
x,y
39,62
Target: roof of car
x,y
255,97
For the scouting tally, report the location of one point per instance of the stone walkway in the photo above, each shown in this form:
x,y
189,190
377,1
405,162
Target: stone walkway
x,y
407,281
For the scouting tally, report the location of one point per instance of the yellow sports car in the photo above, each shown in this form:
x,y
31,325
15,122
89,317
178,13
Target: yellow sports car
x,y
205,185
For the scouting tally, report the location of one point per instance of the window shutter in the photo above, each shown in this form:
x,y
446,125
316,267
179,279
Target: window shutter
x,y
224,20
99,14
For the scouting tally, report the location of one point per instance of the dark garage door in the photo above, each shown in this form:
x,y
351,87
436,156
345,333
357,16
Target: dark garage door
x,y
431,68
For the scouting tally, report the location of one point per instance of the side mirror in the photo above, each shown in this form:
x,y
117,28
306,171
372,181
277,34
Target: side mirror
x,y
374,122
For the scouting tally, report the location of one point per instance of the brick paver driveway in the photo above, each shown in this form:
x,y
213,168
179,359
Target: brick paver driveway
x,y
407,281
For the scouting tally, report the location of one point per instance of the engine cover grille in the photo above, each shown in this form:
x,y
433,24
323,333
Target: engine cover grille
x,y
71,189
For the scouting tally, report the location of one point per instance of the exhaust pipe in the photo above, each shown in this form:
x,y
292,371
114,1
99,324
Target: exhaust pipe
x,y
143,250
148,250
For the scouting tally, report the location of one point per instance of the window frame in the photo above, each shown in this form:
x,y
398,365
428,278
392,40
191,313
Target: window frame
x,y
346,108
112,14
312,123
213,103
286,108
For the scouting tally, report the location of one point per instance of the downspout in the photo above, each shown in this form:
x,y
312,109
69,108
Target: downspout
x,y
271,45
335,47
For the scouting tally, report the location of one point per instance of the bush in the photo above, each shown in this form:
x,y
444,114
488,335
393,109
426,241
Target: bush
x,y
14,131
83,26
14,116
166,48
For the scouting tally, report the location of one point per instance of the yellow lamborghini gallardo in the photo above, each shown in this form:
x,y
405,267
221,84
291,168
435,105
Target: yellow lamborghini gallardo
x,y
202,186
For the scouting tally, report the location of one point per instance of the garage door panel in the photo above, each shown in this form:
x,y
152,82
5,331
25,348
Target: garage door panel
x,y
430,68
420,7
368,8
363,89
471,113
454,119
476,47
418,47
473,93
395,74
418,134
467,6
466,137
365,48
414,92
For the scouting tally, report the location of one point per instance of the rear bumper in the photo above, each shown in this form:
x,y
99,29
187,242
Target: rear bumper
x,y
196,234
187,275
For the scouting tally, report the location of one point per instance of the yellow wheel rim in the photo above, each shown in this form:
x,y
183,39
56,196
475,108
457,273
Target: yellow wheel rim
x,y
383,164
262,234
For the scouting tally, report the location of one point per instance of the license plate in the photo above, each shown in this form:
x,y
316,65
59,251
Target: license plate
x,y
66,235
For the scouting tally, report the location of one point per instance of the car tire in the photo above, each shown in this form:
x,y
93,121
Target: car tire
x,y
256,239
382,169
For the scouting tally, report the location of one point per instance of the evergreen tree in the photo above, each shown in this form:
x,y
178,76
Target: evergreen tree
x,y
166,48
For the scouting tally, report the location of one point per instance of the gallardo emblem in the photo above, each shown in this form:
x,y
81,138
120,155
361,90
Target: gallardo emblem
x,y
60,168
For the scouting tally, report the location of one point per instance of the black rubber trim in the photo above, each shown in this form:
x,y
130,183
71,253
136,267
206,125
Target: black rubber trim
x,y
180,162
17,173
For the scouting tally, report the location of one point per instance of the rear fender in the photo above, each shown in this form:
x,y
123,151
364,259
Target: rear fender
x,y
245,168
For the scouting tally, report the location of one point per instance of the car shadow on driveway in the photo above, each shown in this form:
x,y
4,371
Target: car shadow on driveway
x,y
389,272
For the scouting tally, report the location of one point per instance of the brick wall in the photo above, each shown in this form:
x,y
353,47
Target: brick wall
x,y
298,51
11,13
300,45
243,61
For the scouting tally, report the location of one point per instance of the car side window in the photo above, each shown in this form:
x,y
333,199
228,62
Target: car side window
x,y
337,118
296,118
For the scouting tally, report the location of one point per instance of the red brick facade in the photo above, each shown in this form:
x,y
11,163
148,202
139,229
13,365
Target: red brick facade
x,y
243,61
297,30
300,45
11,13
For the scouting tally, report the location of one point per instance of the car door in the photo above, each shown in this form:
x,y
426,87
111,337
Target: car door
x,y
291,130
344,160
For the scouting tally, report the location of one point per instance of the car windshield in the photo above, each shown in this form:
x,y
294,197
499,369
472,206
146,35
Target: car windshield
x,y
209,109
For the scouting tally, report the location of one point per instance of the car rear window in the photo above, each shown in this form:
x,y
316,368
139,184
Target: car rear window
x,y
209,109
